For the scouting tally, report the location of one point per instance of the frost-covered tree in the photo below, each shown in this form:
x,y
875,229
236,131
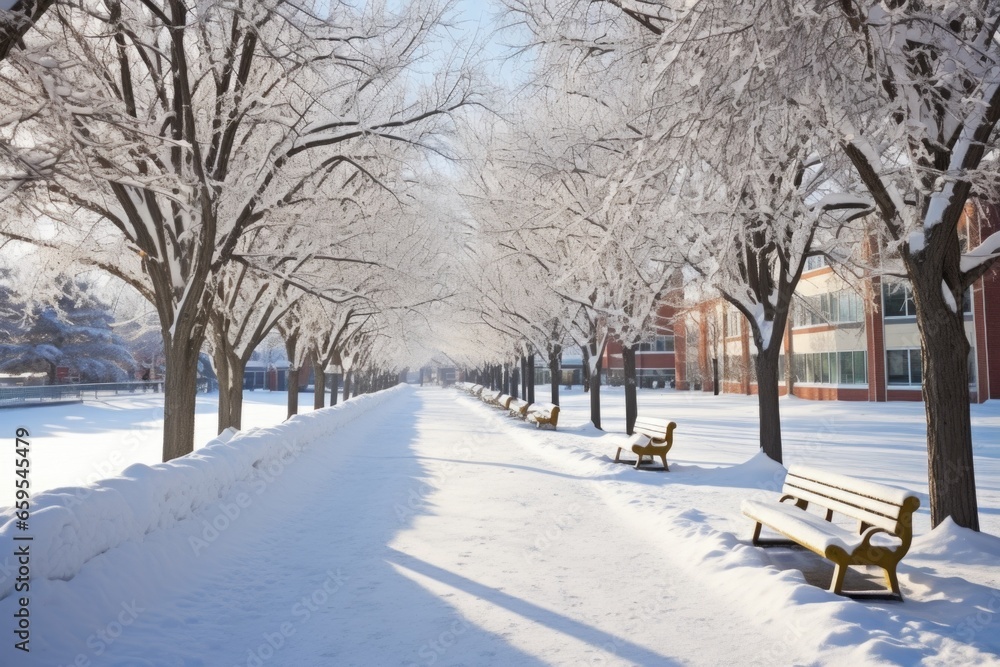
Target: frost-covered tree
x,y
75,331
186,127
16,18
246,309
911,93
746,191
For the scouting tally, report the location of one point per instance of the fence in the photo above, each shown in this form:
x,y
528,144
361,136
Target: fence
x,y
12,396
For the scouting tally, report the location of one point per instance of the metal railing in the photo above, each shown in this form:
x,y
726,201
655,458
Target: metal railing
x,y
10,396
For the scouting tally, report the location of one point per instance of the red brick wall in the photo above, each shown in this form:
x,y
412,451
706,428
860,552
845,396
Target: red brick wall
x,y
680,356
875,334
831,393
989,369
905,395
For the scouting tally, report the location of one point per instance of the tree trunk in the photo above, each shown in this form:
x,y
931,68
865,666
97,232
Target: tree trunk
x,y
586,368
631,400
524,376
555,372
292,383
293,391
595,399
237,372
231,374
180,393
334,388
348,376
530,376
515,377
222,373
231,371
945,370
319,386
715,376
595,386
766,366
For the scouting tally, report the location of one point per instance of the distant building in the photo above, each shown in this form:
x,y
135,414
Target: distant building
x,y
655,360
851,340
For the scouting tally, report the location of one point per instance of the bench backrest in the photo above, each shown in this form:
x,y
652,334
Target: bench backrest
x,y
661,430
504,401
869,502
519,405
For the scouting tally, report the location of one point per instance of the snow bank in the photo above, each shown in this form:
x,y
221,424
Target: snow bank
x,y
71,525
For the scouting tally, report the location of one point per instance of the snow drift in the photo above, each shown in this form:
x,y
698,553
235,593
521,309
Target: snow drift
x,y
71,525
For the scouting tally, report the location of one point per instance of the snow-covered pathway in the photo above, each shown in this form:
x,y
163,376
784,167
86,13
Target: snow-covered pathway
x,y
421,534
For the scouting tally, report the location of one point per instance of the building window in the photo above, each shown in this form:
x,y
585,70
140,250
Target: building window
x,y
658,344
903,366
840,307
815,262
832,367
897,300
853,367
733,318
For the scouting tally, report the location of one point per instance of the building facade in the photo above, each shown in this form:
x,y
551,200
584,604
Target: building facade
x,y
655,358
848,337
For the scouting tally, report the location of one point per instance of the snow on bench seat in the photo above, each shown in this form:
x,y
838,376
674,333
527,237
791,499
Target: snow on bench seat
x,y
543,414
651,437
519,408
884,516
810,530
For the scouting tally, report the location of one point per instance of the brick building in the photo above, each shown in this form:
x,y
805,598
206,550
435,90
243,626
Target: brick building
x,y
847,338
655,358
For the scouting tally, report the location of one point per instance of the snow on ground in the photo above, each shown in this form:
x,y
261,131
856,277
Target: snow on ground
x,y
75,444
429,529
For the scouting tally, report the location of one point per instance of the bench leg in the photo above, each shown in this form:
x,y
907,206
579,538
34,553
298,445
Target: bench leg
x,y
837,583
892,581
756,533
617,455
664,457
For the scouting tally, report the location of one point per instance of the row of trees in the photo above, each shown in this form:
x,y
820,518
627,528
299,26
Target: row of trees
x,y
244,165
717,146
257,164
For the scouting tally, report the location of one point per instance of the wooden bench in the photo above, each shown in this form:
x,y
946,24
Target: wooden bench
x,y
543,414
503,401
884,516
650,437
476,389
490,397
519,408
